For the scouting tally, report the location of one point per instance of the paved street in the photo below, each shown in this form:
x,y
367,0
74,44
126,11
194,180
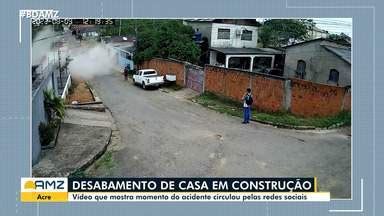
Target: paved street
x,y
163,134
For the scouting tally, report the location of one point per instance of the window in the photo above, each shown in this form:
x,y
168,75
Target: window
x,y
220,58
239,62
246,35
300,70
223,33
261,63
149,73
333,76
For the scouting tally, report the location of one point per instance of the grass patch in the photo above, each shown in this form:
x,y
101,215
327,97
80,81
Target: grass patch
x,y
234,108
106,161
78,174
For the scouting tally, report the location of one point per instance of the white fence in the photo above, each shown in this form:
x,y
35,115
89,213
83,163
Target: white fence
x,y
67,86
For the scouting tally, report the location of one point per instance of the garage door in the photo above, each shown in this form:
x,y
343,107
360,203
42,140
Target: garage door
x,y
194,77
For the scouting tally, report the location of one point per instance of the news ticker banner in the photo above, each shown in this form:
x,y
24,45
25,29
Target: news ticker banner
x,y
171,189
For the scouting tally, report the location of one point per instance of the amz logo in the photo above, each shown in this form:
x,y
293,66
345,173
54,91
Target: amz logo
x,y
49,185
45,184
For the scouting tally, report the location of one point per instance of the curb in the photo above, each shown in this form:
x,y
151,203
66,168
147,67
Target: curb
x,y
102,152
281,125
95,96
93,159
93,107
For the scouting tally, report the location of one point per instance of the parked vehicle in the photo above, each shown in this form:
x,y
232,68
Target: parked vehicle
x,y
147,77
170,78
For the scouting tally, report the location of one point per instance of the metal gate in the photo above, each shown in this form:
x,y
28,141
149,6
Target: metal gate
x,y
194,77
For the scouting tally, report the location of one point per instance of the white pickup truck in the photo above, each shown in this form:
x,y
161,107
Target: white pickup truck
x,y
147,77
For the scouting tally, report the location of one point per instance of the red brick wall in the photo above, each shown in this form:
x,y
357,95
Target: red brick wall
x,y
166,66
268,93
214,80
347,101
308,99
312,99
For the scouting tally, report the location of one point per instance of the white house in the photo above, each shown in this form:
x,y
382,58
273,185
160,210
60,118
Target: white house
x,y
233,43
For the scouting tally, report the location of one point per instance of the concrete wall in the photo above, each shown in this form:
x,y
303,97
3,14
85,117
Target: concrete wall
x,y
319,62
38,111
272,94
235,40
166,66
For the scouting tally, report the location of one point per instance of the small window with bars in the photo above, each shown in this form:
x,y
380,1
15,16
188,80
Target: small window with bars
x,y
246,35
223,33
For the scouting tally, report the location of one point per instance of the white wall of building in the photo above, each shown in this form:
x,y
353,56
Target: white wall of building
x,y
235,38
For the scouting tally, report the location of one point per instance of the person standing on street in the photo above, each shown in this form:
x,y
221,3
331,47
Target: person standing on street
x,y
247,103
126,69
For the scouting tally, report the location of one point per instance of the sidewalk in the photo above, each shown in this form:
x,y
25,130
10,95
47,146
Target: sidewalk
x,y
83,137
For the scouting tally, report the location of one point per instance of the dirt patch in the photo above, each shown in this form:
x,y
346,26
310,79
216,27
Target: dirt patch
x,y
79,92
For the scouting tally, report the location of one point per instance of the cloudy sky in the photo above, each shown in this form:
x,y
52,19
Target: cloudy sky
x,y
335,25
332,25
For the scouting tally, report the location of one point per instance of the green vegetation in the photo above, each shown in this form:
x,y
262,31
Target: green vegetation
x,y
158,38
78,174
278,32
54,108
46,133
340,39
224,105
54,105
106,161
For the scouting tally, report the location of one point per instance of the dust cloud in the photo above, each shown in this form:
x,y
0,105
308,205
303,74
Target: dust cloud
x,y
42,46
88,58
92,61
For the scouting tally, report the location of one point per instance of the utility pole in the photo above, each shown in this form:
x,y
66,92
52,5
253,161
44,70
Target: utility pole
x,y
61,81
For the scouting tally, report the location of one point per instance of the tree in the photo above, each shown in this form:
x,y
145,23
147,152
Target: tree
x,y
340,38
278,32
158,38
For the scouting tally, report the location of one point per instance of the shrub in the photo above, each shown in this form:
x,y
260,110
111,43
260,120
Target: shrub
x,y
54,105
46,132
